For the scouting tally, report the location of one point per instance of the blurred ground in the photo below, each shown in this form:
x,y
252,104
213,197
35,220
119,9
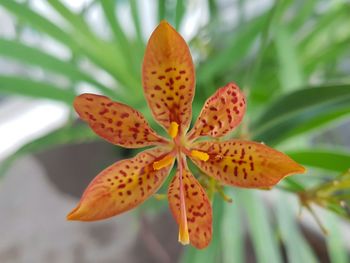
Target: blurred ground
x,y
34,230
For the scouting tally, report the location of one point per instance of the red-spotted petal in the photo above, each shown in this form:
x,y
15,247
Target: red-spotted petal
x,y
121,187
116,122
245,163
198,208
222,112
168,77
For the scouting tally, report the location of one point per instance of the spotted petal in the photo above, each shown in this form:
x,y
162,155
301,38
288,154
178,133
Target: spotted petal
x,y
121,187
168,77
245,164
198,208
222,112
116,122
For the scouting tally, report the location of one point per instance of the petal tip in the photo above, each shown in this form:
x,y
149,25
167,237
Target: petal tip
x,y
74,215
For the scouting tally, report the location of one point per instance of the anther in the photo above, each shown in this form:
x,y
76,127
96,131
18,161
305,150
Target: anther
x,y
203,156
166,161
173,129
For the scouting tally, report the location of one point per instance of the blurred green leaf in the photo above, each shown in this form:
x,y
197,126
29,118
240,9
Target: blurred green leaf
x,y
320,121
109,9
297,248
33,56
180,12
304,13
75,20
290,72
261,231
318,30
39,22
321,158
335,241
232,235
299,107
32,88
161,10
326,55
239,45
98,51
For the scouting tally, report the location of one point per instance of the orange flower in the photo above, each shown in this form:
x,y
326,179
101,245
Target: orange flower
x,y
168,82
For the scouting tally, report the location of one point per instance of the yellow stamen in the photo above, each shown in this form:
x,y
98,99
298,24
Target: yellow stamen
x,y
200,155
173,129
166,161
184,237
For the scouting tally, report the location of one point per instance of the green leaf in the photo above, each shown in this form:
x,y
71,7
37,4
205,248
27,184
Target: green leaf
x,y
232,234
261,231
303,14
32,88
299,107
34,56
319,29
322,158
290,73
213,9
326,55
238,47
335,241
65,135
179,13
320,121
109,9
136,19
101,53
297,248
161,10
39,22
73,19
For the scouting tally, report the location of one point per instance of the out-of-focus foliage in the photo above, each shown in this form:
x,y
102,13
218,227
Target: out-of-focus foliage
x,y
291,59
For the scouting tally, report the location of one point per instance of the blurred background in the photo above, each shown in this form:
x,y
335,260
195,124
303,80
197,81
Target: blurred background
x,y
291,58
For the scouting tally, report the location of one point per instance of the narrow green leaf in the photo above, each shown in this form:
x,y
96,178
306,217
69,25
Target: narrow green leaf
x,y
290,73
326,55
299,106
332,17
32,88
136,19
261,231
213,9
232,233
322,158
284,129
303,13
179,13
238,47
101,53
161,10
320,121
335,241
274,18
34,56
109,9
39,22
73,19
297,248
